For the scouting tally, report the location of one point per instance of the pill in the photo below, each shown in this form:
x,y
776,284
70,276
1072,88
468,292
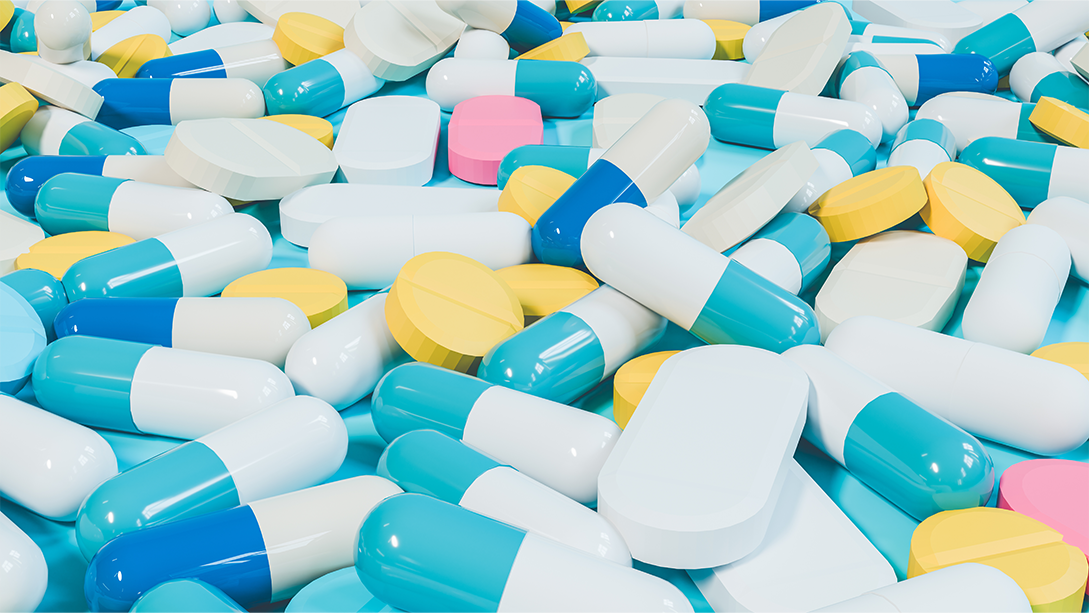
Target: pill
x,y
802,53
1061,121
256,61
1080,62
50,85
269,13
7,11
523,24
42,292
841,154
567,48
855,44
23,584
481,45
433,538
195,261
969,208
615,114
139,102
432,463
17,106
317,127
910,277
195,593
637,10
971,118
870,203
24,339
70,460
17,235
56,254
1026,30
293,444
484,129
302,37
223,35
100,18
136,21
127,57
56,131
185,16
1070,218
561,89
389,140
923,144
963,587
749,12
688,79
729,36
943,17
399,41
923,76
1073,354
20,33
1030,172
63,29
1040,74
863,79
669,38
866,32
320,295
1066,52
758,34
320,87
631,382
531,190
330,591
86,72
791,251
978,387
543,289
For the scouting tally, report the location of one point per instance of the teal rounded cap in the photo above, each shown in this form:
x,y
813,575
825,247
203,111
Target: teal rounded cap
x,y
1065,86
571,159
142,269
185,595
561,89
743,114
857,61
23,339
92,138
419,396
44,293
917,460
626,10
419,553
927,129
853,147
1004,41
1021,167
805,238
558,358
313,88
340,590
23,37
72,202
429,462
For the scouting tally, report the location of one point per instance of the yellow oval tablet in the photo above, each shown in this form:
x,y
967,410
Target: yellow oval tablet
x,y
449,310
567,48
128,56
729,35
631,382
7,10
56,254
870,203
302,37
1073,354
531,190
101,18
1051,573
320,295
1064,122
317,127
543,289
969,208
17,106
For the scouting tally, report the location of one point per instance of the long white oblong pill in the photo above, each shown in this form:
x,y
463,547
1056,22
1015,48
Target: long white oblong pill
x,y
1070,218
390,140
689,79
25,576
615,115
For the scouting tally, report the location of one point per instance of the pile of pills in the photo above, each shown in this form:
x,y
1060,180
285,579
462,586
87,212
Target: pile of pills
x,y
556,305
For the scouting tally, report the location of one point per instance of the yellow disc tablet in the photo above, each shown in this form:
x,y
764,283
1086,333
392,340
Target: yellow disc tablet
x,y
7,10
632,381
870,203
17,106
56,254
321,295
969,208
1073,354
1062,121
302,37
567,48
449,310
101,18
1051,573
729,35
128,56
531,190
543,289
317,127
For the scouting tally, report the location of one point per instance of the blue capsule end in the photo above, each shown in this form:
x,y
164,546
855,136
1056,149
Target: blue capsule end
x,y
134,102
941,73
28,175
531,27
205,64
140,320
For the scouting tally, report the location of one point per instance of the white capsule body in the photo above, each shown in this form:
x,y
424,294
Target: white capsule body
x,y
213,98
1053,23
811,118
224,36
185,16
212,254
143,210
481,45
689,79
874,87
258,328
771,260
1067,52
832,171
663,38
24,573
229,11
136,21
921,153
974,116
1070,218
86,72
686,188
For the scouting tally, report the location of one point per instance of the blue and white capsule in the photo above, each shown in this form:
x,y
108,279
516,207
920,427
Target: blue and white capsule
x,y
432,463
187,595
975,116
561,89
1030,172
866,32
256,61
294,444
791,251
165,102
637,10
42,291
321,87
917,460
863,79
749,12
692,285
560,446
1040,74
842,154
56,131
261,552
923,143
419,553
921,77
639,166
524,24
1039,26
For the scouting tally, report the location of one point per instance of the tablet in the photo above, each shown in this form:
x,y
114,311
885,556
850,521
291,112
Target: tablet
x,y
483,130
50,85
398,40
268,12
17,235
801,55
389,140
942,16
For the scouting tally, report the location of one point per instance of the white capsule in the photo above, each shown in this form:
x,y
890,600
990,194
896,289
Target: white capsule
x,y
185,16
1070,218
481,45
970,588
669,38
23,571
136,21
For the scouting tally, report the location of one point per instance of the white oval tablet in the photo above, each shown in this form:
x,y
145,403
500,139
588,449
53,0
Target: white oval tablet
x,y
801,55
399,40
222,35
613,116
16,237
49,85
248,159
390,140
691,80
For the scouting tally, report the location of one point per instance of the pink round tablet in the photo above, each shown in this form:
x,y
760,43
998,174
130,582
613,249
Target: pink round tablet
x,y
1055,492
485,129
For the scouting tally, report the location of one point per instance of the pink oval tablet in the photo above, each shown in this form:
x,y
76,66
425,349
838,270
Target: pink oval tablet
x,y
1055,492
485,129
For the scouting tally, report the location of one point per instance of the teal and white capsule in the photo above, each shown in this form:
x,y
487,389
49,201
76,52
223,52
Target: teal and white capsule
x,y
1035,26
841,154
42,291
791,251
637,10
974,116
562,89
71,202
866,32
419,553
864,79
56,131
915,459
429,462
320,87
923,143
1040,74
1030,172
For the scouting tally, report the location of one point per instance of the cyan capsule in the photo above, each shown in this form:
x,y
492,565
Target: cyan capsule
x,y
42,291
562,89
185,595
792,251
1030,28
56,131
637,10
256,61
320,87
19,32
164,102
1030,172
24,339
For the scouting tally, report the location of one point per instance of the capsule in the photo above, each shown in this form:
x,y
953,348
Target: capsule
x,y
523,24
136,21
196,261
918,461
1030,172
749,12
257,553
639,166
753,116
562,89
56,131
320,87
186,16
188,594
481,45
1070,218
24,339
981,388
255,61
637,10
297,443
42,291
669,38
791,251
558,445
146,102
429,462
866,32
921,77
863,79
26,575
691,284
59,462
1041,26
841,154
569,352
923,143
1040,74
422,554
973,117
1018,290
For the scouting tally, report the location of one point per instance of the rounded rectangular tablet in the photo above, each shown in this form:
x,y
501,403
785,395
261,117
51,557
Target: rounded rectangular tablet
x,y
50,85
691,80
390,140
695,477
483,130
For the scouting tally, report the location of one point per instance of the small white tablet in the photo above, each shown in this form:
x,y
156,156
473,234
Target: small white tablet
x,y
248,159
942,16
613,116
913,278
268,12
16,237
49,85
696,475
389,140
801,55
222,35
399,39
692,80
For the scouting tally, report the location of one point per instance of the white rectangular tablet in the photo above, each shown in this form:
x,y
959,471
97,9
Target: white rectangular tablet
x,y
390,140
691,80
942,16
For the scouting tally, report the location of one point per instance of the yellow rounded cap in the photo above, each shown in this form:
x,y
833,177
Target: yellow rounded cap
x,y
317,127
1062,121
632,381
1051,572
56,254
449,310
302,37
531,190
17,106
128,56
729,35
567,48
320,295
870,203
1073,354
969,208
101,18
7,10
543,289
